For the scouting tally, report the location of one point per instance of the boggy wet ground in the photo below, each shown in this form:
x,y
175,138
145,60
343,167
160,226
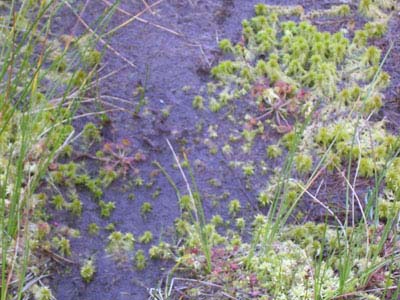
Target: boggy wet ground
x,y
172,63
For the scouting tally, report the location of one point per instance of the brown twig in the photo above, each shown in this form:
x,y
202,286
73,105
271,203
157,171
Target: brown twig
x,y
57,258
147,6
131,19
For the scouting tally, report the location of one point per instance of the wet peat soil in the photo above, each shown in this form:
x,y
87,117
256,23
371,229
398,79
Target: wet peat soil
x,y
165,63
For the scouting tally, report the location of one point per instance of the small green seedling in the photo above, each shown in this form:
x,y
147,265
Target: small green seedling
x,y
58,202
263,199
227,149
42,293
62,245
273,151
119,242
198,102
140,260
214,182
217,220
367,167
185,202
146,208
146,238
234,207
106,208
91,133
110,227
93,229
303,163
248,169
156,193
226,46
75,207
138,181
87,270
240,224
162,251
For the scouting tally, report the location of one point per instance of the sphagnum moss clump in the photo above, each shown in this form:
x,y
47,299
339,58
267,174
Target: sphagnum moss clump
x,y
88,270
119,244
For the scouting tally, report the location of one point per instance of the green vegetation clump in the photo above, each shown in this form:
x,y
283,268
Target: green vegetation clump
x,y
87,270
303,163
198,102
93,229
273,151
58,202
146,238
91,133
146,208
120,243
234,207
42,293
62,245
140,260
106,208
161,251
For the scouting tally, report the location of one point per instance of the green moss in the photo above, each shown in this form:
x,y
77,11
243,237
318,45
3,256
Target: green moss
x,y
146,237
263,199
198,102
161,251
106,208
371,56
217,220
373,104
75,207
375,29
388,210
58,202
260,9
107,177
42,293
119,242
214,105
79,78
110,227
146,209
234,207
227,149
140,260
185,202
93,229
248,169
226,46
240,224
224,69
138,182
274,151
91,133
303,163
88,270
91,58
367,167
62,245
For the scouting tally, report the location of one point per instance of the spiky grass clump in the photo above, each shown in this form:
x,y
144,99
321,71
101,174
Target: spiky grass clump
x,y
43,78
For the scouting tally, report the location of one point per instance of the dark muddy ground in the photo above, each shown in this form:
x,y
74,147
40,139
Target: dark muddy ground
x,y
165,63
